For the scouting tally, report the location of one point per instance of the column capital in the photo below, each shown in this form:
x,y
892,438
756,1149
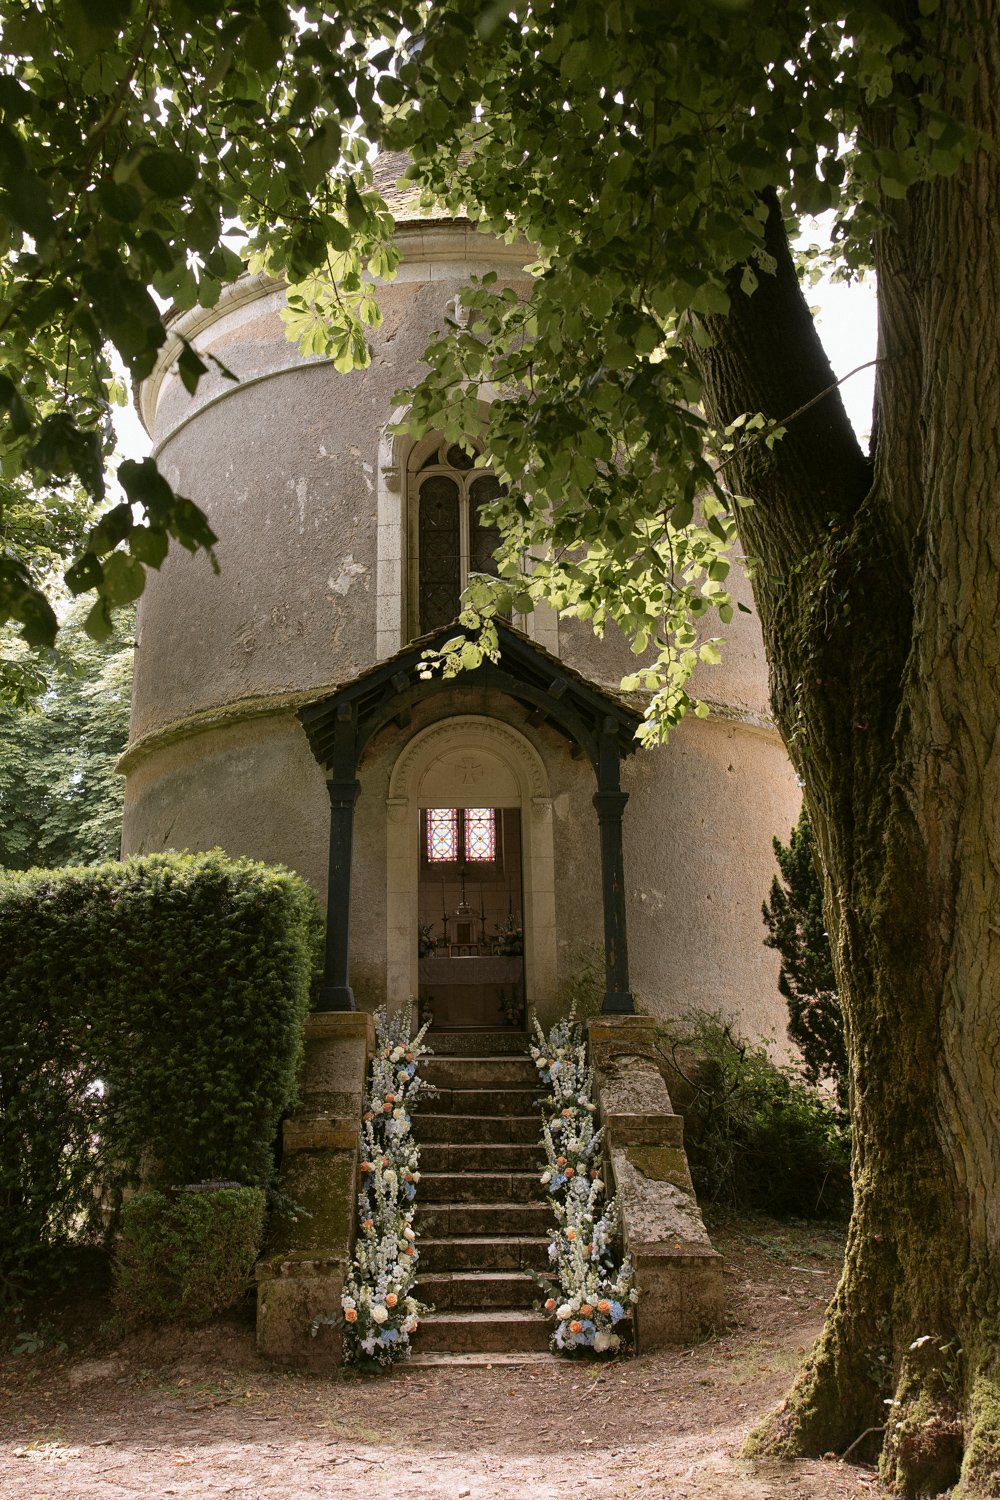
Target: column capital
x,y
343,793
610,804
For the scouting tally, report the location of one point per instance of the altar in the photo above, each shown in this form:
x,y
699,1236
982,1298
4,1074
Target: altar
x,y
472,989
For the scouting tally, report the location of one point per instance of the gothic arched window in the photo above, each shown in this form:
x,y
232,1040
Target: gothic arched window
x,y
448,540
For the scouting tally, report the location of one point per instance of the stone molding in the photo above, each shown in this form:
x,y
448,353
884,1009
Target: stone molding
x,y
435,245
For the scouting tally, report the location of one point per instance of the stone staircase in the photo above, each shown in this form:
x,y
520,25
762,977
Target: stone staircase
x,y
482,1221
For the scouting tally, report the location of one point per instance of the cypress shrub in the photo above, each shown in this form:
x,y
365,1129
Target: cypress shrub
x,y
151,1018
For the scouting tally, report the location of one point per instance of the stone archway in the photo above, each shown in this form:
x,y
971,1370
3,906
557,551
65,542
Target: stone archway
x,y
464,761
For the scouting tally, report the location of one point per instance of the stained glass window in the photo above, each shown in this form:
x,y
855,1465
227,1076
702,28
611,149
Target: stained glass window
x,y
442,834
480,834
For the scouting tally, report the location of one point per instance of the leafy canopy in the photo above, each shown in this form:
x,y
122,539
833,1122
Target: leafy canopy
x,y
637,147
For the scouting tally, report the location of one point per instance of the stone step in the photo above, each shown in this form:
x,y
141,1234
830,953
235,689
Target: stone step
x,y
478,1130
451,1220
480,1332
487,1101
503,1253
481,1072
486,1157
472,1290
473,1043
477,1187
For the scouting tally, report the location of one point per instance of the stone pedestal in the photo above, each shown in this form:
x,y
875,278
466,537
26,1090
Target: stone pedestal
x,y
677,1272
308,1254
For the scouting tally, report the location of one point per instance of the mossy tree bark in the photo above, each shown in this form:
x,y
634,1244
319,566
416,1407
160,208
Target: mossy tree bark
x,y
878,586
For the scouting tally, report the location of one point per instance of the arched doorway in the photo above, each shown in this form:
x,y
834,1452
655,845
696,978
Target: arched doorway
x,y
469,766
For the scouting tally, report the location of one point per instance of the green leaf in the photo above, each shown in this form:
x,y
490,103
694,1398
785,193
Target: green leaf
x,y
124,579
167,171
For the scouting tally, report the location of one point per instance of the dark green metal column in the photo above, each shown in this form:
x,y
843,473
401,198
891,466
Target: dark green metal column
x,y
610,800
343,787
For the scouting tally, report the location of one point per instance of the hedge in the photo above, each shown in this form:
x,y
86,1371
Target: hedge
x,y
188,1256
151,1017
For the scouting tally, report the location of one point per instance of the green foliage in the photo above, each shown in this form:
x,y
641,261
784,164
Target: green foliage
x,y
630,143
150,1026
796,928
155,149
60,796
757,1136
186,1257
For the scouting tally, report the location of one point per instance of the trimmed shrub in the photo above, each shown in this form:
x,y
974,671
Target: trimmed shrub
x,y
758,1136
185,1257
151,1018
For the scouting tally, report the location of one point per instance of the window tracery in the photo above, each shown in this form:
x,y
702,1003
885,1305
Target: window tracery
x,y
448,539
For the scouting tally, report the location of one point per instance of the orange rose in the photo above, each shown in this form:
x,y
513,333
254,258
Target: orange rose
x,y
567,1114
387,1109
390,1097
366,1166
367,1224
587,1310
550,1304
391,1300
604,1306
569,1171
560,1161
576,1326
369,1116
351,1314
571,1234
409,1250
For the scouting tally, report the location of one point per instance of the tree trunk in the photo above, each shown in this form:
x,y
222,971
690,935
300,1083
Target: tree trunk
x,y
877,588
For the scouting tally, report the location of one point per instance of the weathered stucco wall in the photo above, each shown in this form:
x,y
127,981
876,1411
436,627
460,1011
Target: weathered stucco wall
x,y
286,465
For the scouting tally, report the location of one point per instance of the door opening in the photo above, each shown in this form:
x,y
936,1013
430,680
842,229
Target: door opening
x,y
470,936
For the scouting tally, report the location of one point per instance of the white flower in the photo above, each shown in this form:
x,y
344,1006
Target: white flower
x,y
565,1311
402,1076
598,1185
408,1233
546,1177
539,1063
409,1324
380,1313
347,1302
602,1341
396,1054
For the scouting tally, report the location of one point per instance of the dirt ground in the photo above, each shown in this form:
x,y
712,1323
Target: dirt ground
x,y
199,1416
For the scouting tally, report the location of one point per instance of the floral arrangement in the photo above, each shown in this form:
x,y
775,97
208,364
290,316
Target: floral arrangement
x,y
380,1312
595,1280
510,935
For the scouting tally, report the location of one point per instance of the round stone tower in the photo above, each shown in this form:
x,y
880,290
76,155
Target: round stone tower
x,y
338,544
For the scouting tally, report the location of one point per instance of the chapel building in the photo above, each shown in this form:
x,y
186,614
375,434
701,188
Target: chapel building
x,y
478,839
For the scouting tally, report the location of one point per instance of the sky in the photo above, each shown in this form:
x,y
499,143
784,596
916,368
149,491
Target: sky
x,y
847,325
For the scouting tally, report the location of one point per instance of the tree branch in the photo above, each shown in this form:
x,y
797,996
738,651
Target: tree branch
x,y
767,356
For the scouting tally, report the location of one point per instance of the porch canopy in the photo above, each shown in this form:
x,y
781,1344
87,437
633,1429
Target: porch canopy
x,y
599,723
